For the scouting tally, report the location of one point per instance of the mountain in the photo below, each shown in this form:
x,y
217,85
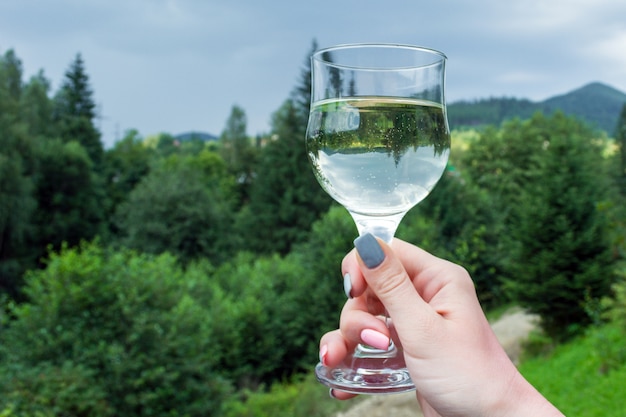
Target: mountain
x,y
206,137
597,104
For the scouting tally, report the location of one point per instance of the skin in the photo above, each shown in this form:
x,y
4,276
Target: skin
x,y
453,356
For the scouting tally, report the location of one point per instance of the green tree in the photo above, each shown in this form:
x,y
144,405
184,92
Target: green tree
x,y
182,206
265,304
69,194
457,222
16,207
124,166
285,198
560,250
36,107
237,151
301,94
111,333
75,110
11,67
16,201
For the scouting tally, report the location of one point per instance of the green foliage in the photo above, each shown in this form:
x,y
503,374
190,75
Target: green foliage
x,y
36,108
488,112
112,333
321,284
124,166
458,222
596,104
69,195
53,390
285,199
560,249
299,398
181,206
615,305
16,206
573,378
620,139
273,309
237,151
74,110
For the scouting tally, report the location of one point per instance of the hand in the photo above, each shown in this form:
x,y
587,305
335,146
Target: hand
x,y
453,356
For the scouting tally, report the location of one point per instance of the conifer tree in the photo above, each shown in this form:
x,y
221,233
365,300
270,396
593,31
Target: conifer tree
x,y
237,151
16,201
75,110
560,248
285,198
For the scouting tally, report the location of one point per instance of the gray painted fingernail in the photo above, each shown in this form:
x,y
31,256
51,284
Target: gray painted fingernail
x,y
347,285
369,250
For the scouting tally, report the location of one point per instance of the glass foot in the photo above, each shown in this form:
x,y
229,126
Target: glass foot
x,y
368,371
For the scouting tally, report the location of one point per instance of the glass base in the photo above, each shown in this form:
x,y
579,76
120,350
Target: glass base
x,y
368,371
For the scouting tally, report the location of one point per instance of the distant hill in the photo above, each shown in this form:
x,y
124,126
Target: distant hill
x,y
206,137
599,105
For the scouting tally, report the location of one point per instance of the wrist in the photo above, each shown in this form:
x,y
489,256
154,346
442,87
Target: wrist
x,y
519,398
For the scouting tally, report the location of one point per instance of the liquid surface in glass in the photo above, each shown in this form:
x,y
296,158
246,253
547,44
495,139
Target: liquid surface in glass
x,y
378,156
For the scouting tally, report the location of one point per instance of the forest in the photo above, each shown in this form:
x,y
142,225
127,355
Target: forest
x,y
176,278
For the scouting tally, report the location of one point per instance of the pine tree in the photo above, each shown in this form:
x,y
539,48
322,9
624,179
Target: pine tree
x,y
75,110
301,94
285,198
237,151
16,200
561,251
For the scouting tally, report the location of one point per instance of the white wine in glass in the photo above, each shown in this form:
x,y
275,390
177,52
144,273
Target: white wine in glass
x,y
378,141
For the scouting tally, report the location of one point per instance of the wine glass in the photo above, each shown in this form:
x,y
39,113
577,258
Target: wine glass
x,y
378,141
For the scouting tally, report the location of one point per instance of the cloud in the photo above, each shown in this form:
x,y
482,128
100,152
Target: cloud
x,y
176,65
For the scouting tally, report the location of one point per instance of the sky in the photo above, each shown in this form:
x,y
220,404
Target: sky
x,y
176,66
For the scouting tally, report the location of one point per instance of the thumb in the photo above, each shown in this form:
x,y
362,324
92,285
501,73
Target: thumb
x,y
388,279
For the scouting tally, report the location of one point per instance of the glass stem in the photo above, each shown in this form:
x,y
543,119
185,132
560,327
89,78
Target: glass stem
x,y
383,227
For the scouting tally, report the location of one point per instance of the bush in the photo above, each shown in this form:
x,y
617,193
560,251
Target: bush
x,y
109,333
302,397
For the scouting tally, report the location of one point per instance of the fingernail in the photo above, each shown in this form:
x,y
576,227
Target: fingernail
x,y
323,352
369,250
375,339
331,394
347,285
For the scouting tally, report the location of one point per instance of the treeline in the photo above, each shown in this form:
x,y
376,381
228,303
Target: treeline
x,y
596,104
165,278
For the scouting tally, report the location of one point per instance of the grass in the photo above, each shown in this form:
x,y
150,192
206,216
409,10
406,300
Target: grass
x,y
301,398
585,377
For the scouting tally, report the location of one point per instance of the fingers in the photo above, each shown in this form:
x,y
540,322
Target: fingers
x,y
333,349
353,282
418,264
388,279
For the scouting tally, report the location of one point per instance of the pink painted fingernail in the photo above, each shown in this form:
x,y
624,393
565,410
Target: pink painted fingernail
x,y
323,352
375,339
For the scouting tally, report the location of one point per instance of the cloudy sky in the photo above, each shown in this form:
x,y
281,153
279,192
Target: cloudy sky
x,y
180,65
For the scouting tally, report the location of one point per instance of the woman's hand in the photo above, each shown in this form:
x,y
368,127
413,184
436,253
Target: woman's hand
x,y
453,356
